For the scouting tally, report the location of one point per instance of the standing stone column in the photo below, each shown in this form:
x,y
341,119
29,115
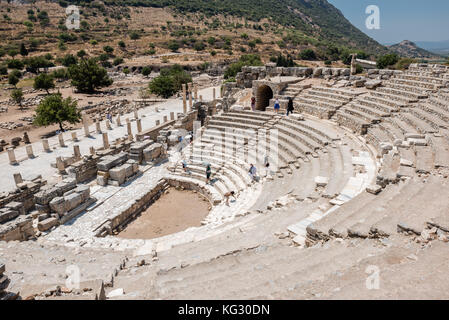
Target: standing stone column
x,y
195,86
12,156
17,178
353,64
184,98
98,126
86,126
190,96
45,145
29,149
74,136
60,164
130,132
201,98
139,125
105,140
61,140
136,115
214,94
165,119
158,123
172,116
76,151
119,123
108,125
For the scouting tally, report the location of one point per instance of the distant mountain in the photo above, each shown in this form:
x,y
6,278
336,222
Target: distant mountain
x,y
410,50
438,47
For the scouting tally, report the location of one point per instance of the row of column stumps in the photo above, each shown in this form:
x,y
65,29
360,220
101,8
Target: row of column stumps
x,y
76,149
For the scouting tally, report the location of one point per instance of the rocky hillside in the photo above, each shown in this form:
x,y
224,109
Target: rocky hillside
x,y
410,50
316,18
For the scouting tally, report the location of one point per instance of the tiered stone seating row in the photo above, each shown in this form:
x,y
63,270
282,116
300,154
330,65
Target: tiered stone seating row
x,y
322,102
370,216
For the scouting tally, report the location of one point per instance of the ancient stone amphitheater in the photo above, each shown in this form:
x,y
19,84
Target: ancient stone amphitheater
x,y
354,204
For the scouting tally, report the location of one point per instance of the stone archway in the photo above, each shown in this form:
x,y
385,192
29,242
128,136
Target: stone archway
x,y
263,97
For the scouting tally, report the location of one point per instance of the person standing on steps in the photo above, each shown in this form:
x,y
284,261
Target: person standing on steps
x,y
290,107
253,103
228,195
277,106
208,173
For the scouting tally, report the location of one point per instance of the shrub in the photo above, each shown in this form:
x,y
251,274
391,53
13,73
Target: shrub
x,y
387,60
173,46
146,71
68,60
117,61
307,54
15,64
245,60
170,81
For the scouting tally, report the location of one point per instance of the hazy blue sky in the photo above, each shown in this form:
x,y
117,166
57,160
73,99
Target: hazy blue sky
x,y
415,20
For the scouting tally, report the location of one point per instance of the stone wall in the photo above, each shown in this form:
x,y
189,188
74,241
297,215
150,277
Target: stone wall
x,y
137,206
245,78
133,208
4,283
86,169
24,193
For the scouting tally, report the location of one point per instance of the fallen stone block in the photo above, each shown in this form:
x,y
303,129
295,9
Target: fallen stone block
x,y
418,142
7,215
16,206
59,205
47,224
118,174
373,84
73,200
83,191
374,189
406,163
321,181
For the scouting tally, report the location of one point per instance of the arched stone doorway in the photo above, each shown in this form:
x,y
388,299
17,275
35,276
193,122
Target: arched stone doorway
x,y
264,94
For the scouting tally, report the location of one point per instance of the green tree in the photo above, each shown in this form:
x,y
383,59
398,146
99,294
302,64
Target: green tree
x,y
56,110
307,54
17,97
44,82
23,50
170,81
387,60
162,86
14,77
68,60
15,64
87,76
34,64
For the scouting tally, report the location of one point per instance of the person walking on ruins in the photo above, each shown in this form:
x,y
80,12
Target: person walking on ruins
x,y
208,173
277,106
253,103
253,172
228,195
290,106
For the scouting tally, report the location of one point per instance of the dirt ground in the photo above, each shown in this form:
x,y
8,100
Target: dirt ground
x,y
175,211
